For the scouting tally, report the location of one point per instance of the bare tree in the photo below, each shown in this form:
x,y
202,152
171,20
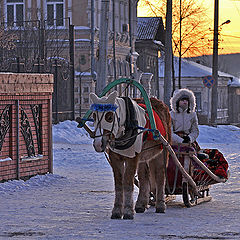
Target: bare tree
x,y
191,20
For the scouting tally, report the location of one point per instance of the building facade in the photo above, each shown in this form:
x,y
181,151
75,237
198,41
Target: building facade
x,y
149,44
192,78
58,15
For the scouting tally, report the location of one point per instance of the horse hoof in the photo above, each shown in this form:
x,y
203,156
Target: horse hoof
x,y
160,210
139,210
128,216
116,216
152,203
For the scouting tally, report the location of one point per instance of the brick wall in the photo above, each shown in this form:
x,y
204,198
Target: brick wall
x,y
25,125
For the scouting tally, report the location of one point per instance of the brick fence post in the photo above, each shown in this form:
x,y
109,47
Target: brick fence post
x,y
25,125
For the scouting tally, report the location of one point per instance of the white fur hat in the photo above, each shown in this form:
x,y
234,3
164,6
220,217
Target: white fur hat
x,y
183,93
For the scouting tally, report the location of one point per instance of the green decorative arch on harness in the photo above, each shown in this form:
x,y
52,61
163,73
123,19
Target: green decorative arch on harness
x,y
156,133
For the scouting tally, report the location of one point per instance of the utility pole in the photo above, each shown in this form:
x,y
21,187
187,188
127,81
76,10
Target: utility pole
x,y
180,47
168,55
114,40
103,47
92,41
214,102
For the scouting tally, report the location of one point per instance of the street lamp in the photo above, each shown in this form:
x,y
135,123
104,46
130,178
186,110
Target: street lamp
x,y
226,22
214,102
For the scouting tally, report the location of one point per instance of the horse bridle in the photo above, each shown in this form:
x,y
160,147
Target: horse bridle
x,y
98,126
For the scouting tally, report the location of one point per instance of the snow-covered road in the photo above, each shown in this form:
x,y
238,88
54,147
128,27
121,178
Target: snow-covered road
x,y
76,201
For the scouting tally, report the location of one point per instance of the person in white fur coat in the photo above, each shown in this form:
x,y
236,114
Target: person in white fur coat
x,y
184,118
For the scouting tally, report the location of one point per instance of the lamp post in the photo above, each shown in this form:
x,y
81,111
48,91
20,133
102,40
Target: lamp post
x,y
214,102
168,55
103,47
226,22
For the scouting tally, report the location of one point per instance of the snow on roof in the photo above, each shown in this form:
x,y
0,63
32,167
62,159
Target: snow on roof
x,y
193,69
82,40
81,28
82,73
158,43
235,82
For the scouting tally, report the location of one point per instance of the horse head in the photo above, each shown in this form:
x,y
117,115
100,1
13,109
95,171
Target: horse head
x,y
105,120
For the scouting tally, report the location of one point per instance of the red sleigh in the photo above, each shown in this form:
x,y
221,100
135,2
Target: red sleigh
x,y
211,169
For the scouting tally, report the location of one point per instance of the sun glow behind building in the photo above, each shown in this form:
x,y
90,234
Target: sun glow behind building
x,y
229,38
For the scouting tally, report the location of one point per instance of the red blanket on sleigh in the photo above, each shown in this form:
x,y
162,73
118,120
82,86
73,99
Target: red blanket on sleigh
x,y
216,163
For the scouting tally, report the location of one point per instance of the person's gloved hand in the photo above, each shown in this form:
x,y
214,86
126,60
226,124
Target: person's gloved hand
x,y
186,139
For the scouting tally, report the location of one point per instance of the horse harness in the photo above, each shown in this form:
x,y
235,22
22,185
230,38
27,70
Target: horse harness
x,y
130,125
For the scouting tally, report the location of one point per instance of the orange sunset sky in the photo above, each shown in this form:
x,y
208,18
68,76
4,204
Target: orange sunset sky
x,y
230,33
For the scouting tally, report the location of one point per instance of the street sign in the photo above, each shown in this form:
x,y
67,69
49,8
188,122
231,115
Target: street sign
x,y
208,81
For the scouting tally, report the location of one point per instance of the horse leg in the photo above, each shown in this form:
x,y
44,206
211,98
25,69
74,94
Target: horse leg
x,y
117,165
157,165
152,197
128,186
144,187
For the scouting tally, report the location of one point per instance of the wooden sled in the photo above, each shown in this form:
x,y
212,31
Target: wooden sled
x,y
202,176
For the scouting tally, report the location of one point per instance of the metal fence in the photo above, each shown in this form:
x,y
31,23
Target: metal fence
x,y
35,47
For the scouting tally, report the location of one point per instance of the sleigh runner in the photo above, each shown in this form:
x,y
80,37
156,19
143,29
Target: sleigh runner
x,y
185,173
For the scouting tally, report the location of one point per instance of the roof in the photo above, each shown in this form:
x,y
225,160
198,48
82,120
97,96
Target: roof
x,y
148,28
192,69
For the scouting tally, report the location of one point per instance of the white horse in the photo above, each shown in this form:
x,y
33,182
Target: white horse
x,y
116,131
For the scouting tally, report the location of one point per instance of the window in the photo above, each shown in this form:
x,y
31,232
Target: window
x,y
110,68
119,68
123,69
85,89
76,89
127,69
198,101
86,100
15,12
55,14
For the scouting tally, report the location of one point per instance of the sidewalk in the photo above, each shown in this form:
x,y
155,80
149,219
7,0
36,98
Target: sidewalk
x,y
76,201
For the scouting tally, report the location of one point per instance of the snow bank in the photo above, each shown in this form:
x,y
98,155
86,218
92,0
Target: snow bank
x,y
68,132
219,134
34,182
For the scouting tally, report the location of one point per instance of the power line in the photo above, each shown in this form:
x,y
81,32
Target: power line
x,y
228,47
230,36
236,7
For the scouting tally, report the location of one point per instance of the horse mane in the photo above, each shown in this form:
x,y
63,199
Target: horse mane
x,y
163,112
